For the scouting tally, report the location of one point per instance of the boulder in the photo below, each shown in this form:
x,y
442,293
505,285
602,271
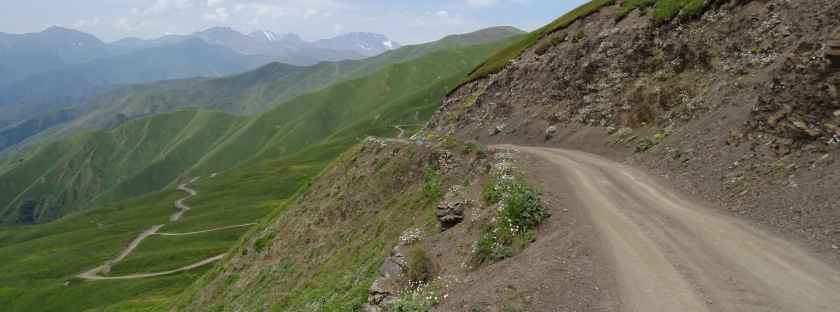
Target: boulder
x,y
386,288
498,129
833,50
550,132
450,211
392,267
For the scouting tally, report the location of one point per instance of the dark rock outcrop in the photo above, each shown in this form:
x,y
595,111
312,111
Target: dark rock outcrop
x,y
450,211
833,50
386,288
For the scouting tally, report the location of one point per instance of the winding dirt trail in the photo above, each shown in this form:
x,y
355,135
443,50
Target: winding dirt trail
x,y
179,204
206,231
402,132
672,254
95,274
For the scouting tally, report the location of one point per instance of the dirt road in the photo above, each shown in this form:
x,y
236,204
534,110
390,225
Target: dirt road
x,y
183,208
148,275
95,274
207,231
105,268
672,254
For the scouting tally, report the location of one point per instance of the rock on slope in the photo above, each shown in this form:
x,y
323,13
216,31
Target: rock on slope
x,y
738,105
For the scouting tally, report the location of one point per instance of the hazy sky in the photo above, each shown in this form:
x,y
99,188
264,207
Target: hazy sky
x,y
402,20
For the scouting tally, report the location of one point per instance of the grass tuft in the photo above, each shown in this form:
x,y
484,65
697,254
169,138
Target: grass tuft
x,y
419,265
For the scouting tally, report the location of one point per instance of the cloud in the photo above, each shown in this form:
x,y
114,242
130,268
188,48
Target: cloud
x,y
218,15
85,23
481,3
285,8
214,3
125,24
164,6
442,13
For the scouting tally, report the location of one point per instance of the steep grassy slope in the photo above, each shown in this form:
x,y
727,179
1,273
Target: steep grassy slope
x,y
339,229
63,176
145,155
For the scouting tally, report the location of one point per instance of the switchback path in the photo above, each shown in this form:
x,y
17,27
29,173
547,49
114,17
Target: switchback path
x,y
148,275
95,274
206,231
183,208
670,253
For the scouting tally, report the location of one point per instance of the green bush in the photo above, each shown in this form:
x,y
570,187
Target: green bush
x,y
520,213
523,208
488,248
419,265
263,242
491,193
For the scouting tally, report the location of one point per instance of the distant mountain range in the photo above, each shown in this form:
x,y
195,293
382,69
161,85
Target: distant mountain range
x,y
111,152
248,93
60,67
287,48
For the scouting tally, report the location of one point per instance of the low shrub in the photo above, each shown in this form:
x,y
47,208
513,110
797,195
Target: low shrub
x,y
263,242
492,193
520,212
419,265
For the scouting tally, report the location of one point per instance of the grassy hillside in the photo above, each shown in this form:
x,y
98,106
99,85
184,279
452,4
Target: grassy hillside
x,y
258,90
55,90
260,162
249,93
147,154
66,175
36,261
269,157
340,228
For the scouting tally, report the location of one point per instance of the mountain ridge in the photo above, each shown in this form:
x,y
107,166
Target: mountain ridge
x,y
250,92
145,155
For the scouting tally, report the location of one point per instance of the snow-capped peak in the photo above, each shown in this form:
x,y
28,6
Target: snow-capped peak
x,y
269,36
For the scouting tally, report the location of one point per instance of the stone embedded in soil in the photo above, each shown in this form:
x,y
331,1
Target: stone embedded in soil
x,y
384,289
550,132
392,267
450,211
498,129
833,50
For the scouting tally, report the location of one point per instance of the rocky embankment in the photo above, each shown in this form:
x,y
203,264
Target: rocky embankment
x,y
738,106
